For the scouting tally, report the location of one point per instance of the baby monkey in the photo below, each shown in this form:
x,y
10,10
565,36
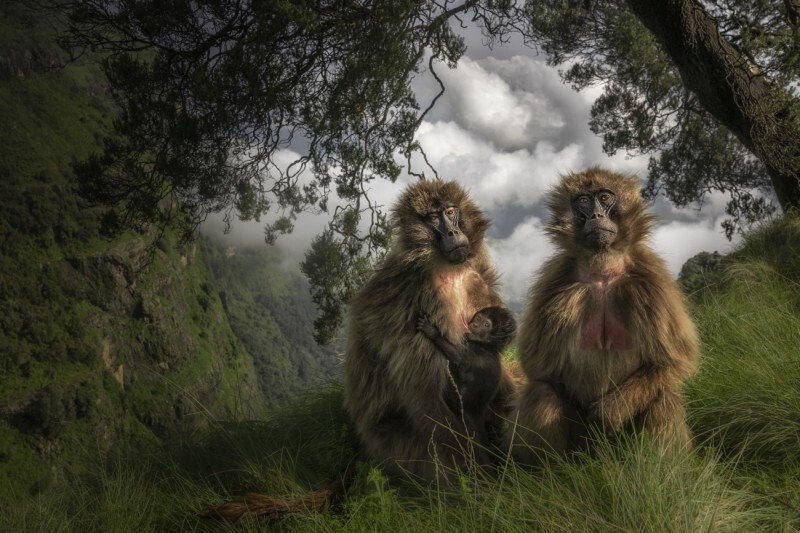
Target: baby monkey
x,y
475,364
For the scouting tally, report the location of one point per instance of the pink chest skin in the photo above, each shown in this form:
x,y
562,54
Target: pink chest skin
x,y
602,329
454,289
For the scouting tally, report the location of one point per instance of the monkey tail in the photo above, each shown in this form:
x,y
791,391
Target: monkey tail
x,y
255,506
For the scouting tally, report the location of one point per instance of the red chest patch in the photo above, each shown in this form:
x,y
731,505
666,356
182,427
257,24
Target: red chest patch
x,y
603,331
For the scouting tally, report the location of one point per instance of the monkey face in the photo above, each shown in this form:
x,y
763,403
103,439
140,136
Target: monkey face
x,y
451,241
597,211
493,326
592,210
480,327
437,221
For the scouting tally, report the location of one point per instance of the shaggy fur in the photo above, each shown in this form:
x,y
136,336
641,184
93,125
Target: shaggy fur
x,y
395,379
606,342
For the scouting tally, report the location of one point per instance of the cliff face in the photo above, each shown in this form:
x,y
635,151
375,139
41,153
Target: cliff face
x,y
111,346
270,310
104,341
110,342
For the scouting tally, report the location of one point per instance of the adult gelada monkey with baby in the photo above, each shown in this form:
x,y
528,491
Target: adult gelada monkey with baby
x,y
606,342
395,378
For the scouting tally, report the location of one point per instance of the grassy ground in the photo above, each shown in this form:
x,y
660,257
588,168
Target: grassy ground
x,y
744,475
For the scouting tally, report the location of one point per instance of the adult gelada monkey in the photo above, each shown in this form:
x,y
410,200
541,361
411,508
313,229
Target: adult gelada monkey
x,y
395,379
606,342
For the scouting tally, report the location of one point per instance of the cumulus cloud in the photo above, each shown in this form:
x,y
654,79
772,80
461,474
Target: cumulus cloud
x,y
678,241
511,115
513,103
506,128
518,257
495,177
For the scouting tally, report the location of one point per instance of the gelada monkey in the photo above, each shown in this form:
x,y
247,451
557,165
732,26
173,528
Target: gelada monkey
x,y
395,379
606,342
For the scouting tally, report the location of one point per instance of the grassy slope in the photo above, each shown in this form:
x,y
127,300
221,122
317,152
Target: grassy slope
x,y
745,403
743,476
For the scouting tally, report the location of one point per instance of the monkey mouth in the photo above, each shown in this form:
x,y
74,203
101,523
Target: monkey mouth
x,y
600,237
599,233
458,254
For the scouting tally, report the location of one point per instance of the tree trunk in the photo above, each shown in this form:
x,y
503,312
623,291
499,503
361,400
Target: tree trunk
x,y
761,114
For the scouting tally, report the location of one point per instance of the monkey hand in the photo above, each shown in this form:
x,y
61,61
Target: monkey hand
x,y
609,412
426,327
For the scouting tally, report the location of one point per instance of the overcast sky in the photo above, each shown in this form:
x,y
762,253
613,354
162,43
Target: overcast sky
x,y
506,128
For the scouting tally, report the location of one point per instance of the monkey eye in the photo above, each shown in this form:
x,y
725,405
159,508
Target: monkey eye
x,y
450,211
606,198
583,200
433,218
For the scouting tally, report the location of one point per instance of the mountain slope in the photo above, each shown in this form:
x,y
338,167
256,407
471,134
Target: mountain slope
x,y
270,310
104,340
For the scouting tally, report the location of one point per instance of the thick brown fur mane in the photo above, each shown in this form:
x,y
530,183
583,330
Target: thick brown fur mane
x,y
606,342
394,376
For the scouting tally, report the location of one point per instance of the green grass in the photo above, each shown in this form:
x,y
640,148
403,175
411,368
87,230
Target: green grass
x,y
627,488
744,474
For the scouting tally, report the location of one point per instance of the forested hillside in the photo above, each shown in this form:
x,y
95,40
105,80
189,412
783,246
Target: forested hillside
x,y
114,342
271,312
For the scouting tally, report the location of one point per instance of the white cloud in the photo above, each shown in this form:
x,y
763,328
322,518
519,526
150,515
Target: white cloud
x,y
506,128
513,103
486,103
493,176
678,241
518,258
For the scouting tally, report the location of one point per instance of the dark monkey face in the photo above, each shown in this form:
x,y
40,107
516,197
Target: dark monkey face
x,y
592,210
492,326
451,241
480,327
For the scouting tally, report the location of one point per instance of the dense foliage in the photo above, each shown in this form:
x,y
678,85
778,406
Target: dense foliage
x,y
263,109
700,271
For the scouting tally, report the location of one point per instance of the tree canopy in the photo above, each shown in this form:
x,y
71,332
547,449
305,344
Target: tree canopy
x,y
267,107
706,87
